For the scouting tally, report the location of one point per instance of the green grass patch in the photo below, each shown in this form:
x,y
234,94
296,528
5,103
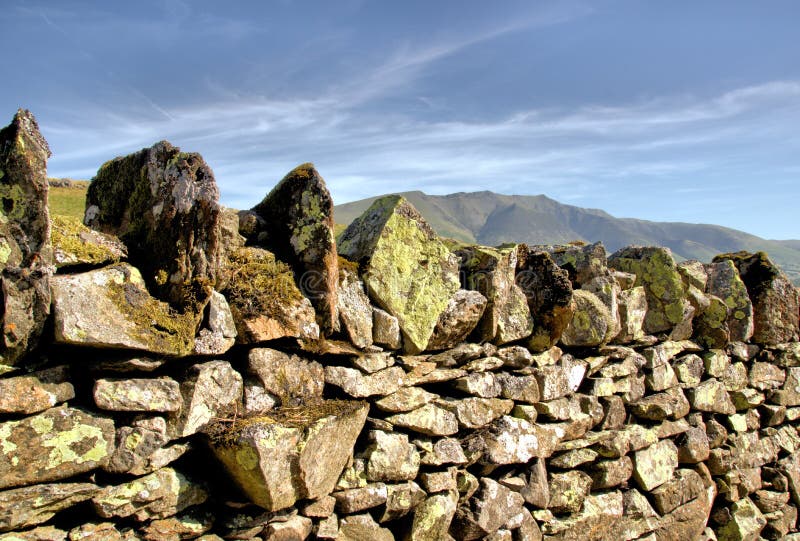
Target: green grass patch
x,y
70,202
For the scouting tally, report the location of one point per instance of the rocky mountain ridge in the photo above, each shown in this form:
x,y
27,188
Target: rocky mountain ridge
x,y
179,370
491,219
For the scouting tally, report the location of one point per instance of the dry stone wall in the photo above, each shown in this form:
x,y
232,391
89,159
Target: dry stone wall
x,y
251,384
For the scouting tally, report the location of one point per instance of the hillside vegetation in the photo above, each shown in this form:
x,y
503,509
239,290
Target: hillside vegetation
x,y
491,219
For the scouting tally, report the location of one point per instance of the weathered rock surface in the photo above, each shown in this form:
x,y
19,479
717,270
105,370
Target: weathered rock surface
x,y
137,394
725,283
385,329
390,457
656,271
163,204
161,494
355,311
489,509
25,252
776,302
279,459
220,334
29,506
292,380
459,318
210,390
549,294
359,385
75,244
121,314
591,323
297,225
35,392
53,445
407,270
265,302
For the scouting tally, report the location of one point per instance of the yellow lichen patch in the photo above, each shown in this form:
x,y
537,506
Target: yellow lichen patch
x,y
71,238
63,445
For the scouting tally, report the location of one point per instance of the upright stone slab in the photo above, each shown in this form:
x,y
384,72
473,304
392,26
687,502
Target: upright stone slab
x,y
656,271
776,306
292,454
298,221
163,203
490,272
725,283
25,253
408,271
549,294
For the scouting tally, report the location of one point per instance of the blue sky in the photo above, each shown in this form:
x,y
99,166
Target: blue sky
x,y
674,111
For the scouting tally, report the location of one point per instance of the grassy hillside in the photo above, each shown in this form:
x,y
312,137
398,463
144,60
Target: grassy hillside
x,y
68,201
492,219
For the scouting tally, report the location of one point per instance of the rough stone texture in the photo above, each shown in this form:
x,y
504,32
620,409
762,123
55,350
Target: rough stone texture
x,y
515,441
476,412
711,396
724,282
210,390
433,516
654,465
491,272
405,399
161,494
161,394
515,320
143,449
276,462
711,326
362,528
57,444
121,314
297,218
385,329
568,490
26,256
360,385
583,263
491,507
549,294
29,506
407,270
292,380
220,335
355,311
430,419
459,318
265,301
595,521
36,392
591,323
163,204
655,270
75,244
745,523
390,457
776,303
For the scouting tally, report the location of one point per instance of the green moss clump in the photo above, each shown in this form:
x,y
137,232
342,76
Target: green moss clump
x,y
260,284
155,320
348,266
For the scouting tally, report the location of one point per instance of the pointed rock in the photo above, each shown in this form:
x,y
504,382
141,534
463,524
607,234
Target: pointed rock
x,y
408,271
210,390
724,282
163,204
776,302
25,252
355,311
297,220
292,454
462,314
549,294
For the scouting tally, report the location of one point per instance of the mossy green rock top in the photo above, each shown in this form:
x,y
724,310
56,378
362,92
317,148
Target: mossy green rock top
x,y
25,253
655,269
408,271
57,444
163,204
110,308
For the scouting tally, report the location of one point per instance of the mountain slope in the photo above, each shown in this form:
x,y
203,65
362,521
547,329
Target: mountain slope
x,y
491,219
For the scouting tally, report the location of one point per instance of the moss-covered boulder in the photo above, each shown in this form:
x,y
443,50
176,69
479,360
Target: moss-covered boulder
x,y
75,244
548,291
56,444
265,301
163,204
655,269
293,453
110,308
776,306
711,327
25,251
725,283
408,271
490,272
297,224
591,323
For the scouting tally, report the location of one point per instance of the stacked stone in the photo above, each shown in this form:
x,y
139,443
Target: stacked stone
x,y
404,389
